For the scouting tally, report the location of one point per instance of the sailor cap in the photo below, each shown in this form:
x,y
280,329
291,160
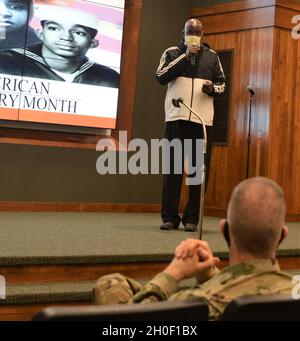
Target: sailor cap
x,y
62,14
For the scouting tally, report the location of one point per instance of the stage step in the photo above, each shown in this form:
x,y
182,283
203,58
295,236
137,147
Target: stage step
x,y
23,301
57,292
76,273
48,293
90,272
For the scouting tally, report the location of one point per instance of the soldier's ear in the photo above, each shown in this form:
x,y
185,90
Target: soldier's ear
x,y
225,230
284,234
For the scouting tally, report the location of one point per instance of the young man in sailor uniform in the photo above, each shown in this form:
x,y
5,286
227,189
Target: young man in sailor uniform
x,y
66,36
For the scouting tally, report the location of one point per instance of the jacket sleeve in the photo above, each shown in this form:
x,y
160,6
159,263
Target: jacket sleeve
x,y
170,66
160,288
219,84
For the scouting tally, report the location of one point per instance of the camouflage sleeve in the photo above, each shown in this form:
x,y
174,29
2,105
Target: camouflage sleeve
x,y
199,292
160,288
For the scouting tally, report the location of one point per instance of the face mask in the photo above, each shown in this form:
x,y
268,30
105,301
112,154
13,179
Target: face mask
x,y
192,40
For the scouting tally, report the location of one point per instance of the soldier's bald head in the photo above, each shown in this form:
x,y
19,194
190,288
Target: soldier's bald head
x,y
256,215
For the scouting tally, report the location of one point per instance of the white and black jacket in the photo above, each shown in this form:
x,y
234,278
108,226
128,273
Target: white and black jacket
x,y
185,80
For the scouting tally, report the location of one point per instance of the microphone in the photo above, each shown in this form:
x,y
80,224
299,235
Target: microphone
x,y
193,59
250,90
176,102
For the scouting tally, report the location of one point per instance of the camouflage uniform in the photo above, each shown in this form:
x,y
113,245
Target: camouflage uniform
x,y
258,277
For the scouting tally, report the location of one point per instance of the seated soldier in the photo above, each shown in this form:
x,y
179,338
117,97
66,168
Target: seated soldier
x,y
253,230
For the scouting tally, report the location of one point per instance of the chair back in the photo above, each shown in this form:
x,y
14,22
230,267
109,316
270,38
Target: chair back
x,y
262,308
188,310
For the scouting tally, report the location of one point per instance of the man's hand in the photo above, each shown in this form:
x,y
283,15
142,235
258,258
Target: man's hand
x,y
190,247
193,258
207,88
192,50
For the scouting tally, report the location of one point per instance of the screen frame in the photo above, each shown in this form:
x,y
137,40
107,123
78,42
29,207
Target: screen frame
x,y
83,137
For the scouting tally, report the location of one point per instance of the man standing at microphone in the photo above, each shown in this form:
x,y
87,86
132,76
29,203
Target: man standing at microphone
x,y
194,73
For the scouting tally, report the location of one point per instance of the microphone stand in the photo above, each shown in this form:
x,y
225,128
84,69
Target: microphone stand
x,y
251,94
200,223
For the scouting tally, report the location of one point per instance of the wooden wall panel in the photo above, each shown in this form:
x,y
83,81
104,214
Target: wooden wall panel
x,y
247,15
236,6
237,16
283,17
269,60
283,156
251,66
239,21
13,206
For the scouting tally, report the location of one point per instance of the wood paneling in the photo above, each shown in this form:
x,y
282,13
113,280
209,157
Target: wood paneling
x,y
247,15
26,312
13,206
129,63
87,272
250,66
236,6
49,139
269,60
64,273
283,153
239,21
7,206
284,15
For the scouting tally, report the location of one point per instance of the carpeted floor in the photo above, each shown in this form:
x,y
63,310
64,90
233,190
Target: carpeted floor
x,y
76,238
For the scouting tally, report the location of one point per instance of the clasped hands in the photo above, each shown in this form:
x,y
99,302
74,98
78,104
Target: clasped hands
x,y
193,258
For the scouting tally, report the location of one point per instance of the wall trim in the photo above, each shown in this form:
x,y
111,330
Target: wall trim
x,y
247,15
30,206
19,206
25,206
243,5
236,6
215,212
293,218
